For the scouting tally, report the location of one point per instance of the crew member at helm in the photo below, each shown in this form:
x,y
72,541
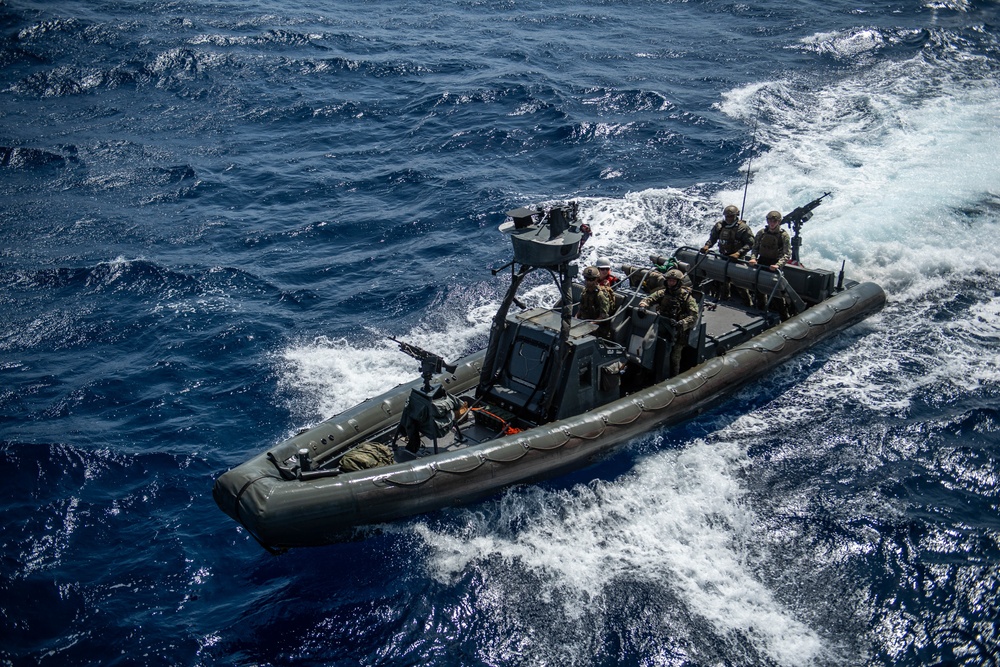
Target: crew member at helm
x,y
679,311
772,246
732,234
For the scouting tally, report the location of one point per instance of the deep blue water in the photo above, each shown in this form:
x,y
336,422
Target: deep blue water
x,y
214,212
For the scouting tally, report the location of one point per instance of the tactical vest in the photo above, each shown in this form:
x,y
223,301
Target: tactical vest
x,y
591,302
770,246
675,305
729,238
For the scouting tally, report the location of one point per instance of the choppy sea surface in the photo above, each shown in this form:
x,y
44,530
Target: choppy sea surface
x,y
215,212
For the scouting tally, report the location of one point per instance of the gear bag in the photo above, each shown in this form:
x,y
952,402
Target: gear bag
x,y
366,455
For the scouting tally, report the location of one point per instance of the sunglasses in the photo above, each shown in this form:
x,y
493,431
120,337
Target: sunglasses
x,y
590,280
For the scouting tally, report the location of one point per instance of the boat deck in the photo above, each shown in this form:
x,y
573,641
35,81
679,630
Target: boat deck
x,y
727,322
470,432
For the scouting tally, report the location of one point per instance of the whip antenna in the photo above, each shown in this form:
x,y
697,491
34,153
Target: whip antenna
x,y
753,142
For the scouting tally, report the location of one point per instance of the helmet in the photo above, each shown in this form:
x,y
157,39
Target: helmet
x,y
603,263
591,272
674,274
774,215
731,211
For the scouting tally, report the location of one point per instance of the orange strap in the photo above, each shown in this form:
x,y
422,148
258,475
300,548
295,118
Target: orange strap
x,y
504,424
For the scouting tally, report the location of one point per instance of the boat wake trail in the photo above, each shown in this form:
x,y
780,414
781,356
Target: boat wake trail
x,y
678,526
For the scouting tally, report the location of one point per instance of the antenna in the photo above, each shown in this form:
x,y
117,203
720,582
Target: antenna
x,y
753,142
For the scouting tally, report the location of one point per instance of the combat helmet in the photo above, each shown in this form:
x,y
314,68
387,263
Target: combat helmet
x,y
673,274
591,272
676,274
731,211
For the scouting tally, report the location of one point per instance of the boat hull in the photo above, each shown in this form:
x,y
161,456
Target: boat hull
x,y
282,513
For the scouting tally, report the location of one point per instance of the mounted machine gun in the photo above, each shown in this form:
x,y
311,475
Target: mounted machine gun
x,y
796,219
430,363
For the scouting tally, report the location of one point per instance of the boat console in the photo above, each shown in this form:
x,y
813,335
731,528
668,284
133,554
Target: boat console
x,y
590,374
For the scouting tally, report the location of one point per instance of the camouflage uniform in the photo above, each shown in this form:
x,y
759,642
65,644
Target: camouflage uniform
x,y
772,248
595,304
735,238
677,305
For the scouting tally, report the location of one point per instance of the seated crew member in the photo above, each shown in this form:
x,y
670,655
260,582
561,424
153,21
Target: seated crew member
x,y
732,234
595,301
679,310
606,278
772,246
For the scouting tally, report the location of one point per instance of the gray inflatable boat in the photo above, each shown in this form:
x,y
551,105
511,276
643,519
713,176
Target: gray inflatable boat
x,y
547,396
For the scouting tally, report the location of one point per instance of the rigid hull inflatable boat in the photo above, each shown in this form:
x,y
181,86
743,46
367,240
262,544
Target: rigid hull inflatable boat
x,y
548,395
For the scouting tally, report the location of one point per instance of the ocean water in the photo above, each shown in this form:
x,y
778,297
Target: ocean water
x,y
215,212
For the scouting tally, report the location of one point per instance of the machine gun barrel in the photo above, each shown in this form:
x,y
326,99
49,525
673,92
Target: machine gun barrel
x,y
801,214
796,219
428,360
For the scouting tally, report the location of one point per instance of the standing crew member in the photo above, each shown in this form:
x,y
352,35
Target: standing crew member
x,y
733,235
679,311
735,240
772,246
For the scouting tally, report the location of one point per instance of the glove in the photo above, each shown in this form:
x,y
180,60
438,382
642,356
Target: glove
x,y
704,249
735,255
643,311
